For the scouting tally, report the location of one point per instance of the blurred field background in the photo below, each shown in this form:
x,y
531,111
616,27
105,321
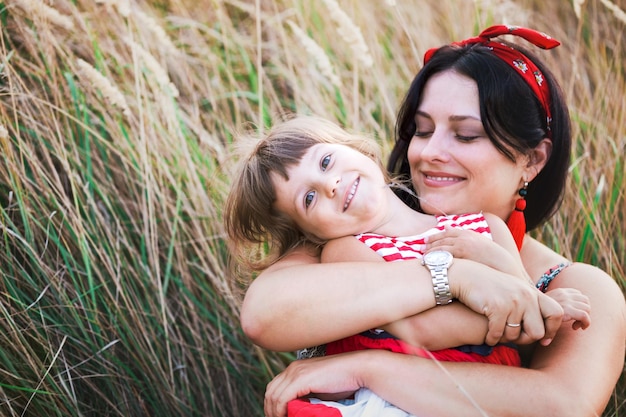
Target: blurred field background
x,y
117,122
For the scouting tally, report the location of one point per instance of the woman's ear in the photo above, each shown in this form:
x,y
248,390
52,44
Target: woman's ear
x,y
538,158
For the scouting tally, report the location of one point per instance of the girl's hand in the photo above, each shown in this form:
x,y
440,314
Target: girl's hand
x,y
467,244
575,306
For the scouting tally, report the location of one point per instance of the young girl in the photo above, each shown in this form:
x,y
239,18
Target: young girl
x,y
309,181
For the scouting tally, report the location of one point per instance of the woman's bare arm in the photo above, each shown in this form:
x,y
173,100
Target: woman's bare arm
x,y
572,377
290,305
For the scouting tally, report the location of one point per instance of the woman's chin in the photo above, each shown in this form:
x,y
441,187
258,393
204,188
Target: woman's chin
x,y
434,208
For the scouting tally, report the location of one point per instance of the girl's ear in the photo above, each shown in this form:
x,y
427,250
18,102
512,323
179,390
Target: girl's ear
x,y
538,158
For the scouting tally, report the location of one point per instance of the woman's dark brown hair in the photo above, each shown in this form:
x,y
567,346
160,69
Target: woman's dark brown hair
x,y
511,114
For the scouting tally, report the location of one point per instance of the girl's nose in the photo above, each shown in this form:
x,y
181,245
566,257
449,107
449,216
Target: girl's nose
x,y
331,184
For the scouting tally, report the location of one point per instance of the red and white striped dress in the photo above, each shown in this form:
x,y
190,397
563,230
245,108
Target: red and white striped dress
x,y
412,247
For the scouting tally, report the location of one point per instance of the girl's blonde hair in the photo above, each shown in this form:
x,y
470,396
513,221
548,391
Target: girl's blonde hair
x,y
259,234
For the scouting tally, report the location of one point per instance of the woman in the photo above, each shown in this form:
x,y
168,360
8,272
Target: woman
x,y
472,132
308,180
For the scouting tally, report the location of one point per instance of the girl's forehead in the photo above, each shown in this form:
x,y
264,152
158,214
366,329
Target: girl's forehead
x,y
313,152
316,151
311,156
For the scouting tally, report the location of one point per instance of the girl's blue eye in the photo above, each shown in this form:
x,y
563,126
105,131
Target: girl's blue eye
x,y
308,198
325,162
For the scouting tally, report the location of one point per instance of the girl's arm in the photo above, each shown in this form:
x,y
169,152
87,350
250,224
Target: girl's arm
x,y
461,327
572,377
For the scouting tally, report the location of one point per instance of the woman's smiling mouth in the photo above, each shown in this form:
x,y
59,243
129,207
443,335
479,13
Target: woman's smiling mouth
x,y
440,179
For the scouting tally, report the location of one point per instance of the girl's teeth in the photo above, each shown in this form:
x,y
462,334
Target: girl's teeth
x,y
351,195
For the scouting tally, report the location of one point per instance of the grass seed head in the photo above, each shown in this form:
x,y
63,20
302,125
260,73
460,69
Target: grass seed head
x,y
317,53
110,92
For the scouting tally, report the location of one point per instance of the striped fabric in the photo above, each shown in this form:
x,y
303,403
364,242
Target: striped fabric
x,y
412,247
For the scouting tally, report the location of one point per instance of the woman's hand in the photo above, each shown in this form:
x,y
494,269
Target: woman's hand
x,y
336,375
515,310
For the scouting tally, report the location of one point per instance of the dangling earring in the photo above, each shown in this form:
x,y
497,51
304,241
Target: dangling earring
x,y
517,221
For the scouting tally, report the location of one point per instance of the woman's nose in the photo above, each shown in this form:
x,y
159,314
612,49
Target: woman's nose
x,y
434,148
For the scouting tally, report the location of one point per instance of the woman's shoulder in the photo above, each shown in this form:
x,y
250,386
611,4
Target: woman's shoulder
x,y
605,295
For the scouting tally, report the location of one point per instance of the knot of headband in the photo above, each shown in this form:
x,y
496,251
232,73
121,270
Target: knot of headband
x,y
514,58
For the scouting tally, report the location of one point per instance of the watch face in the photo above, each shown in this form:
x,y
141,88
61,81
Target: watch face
x,y
438,257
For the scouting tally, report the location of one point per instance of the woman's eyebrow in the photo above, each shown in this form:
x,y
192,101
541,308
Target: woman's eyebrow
x,y
461,117
454,117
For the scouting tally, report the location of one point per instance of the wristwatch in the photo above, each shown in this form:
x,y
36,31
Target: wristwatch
x,y
438,262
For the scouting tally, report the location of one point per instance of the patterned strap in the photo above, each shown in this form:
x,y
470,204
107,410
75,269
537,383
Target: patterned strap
x,y
547,278
312,352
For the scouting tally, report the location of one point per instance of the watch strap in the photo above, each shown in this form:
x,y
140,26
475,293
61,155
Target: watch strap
x,y
441,286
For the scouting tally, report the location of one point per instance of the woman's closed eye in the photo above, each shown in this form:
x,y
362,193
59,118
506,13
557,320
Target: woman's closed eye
x,y
466,138
422,134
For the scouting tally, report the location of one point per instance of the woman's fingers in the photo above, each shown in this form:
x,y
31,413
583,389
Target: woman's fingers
x,y
514,302
498,298
552,314
290,384
513,328
505,299
334,374
274,404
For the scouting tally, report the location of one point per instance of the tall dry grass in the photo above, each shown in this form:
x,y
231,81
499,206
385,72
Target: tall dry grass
x,y
118,118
